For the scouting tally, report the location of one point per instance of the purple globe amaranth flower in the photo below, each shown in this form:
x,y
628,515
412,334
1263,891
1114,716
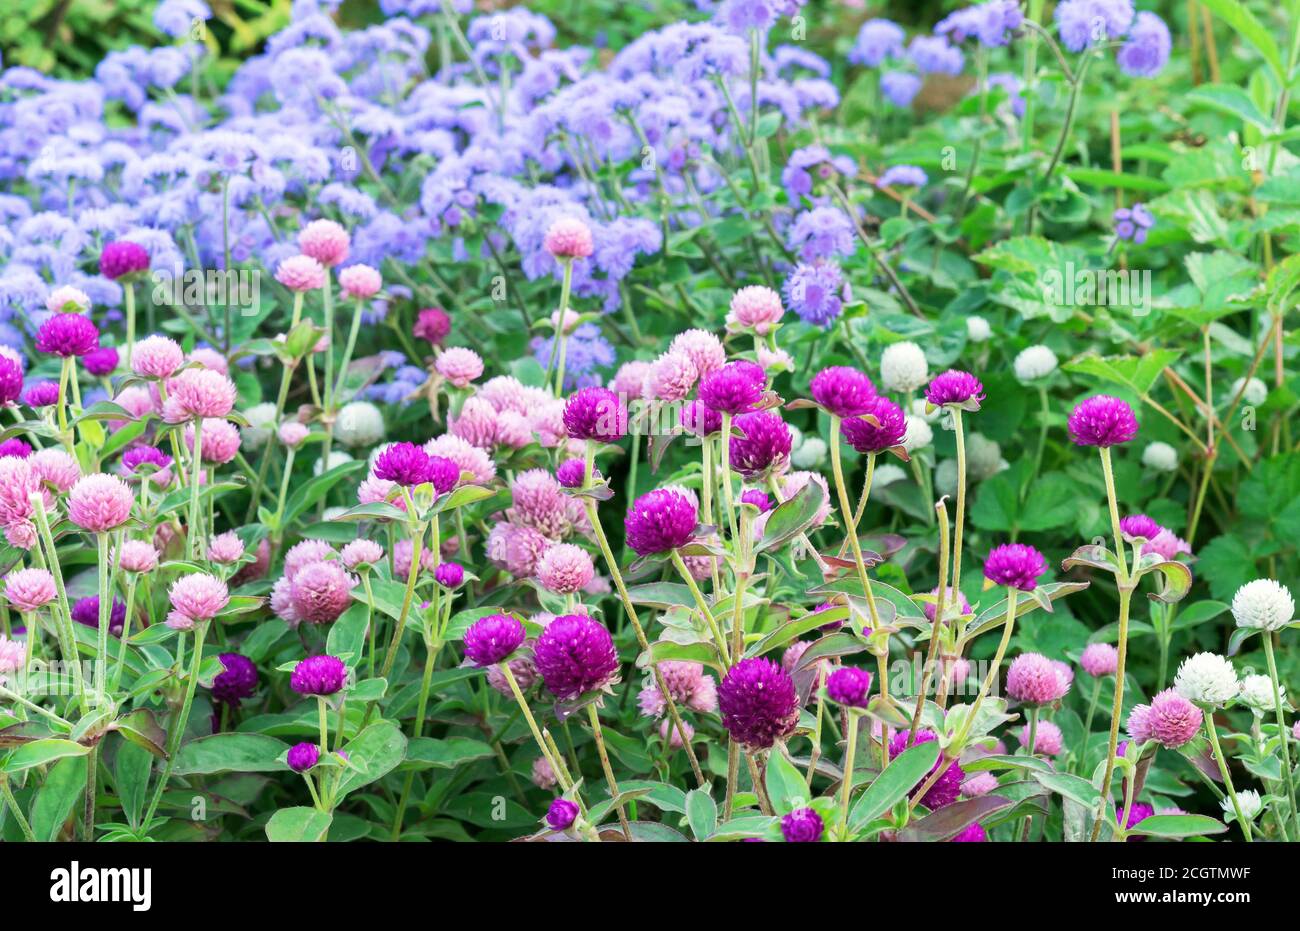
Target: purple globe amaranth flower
x,y
490,639
842,391
1139,812
802,826
86,611
1139,526
561,815
406,464
319,675
947,788
444,474
237,682
122,258
764,443
955,387
595,414
571,472
758,498
659,521
700,419
67,335
100,362
11,380
849,685
758,702
1015,565
303,756
734,388
1102,421
575,654
137,456
449,574
972,833
886,432
19,449
42,394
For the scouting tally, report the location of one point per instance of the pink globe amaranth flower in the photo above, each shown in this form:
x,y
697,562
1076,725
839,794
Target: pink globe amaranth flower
x,y
802,826
137,556
1102,421
321,592
1015,565
979,784
1047,738
954,387
18,482
517,548
539,502
794,482
66,299
703,349
209,358
506,393
302,756
254,570
304,553
282,601
972,833
542,775
763,443
546,420
931,606
122,258
29,589
301,273
325,241
201,393
1170,720
361,553
947,788
1138,526
565,569
1099,659
11,380
733,389
629,380
490,639
319,675
12,656
220,440
659,521
157,357
199,596
100,502
758,702
1167,545
476,423
575,654
755,308
671,736
226,549
687,684
561,815
100,362
467,457
568,238
291,434
21,533
522,668
56,467
842,390
669,378
360,282
700,420
459,365
1033,679
849,686
887,430
595,414
433,325
67,335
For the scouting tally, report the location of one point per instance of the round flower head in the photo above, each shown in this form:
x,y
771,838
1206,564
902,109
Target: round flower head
x,y
686,683
459,365
758,702
404,463
570,473
1047,738
1099,659
67,335
1167,545
972,833
15,447
1137,812
755,308
148,460
321,592
1263,604
734,388
1257,695
432,325
947,788
319,675
565,569
361,554
303,756
659,521
955,387
291,433
702,348
1250,802
360,282
226,548
444,474
575,654
301,273
68,300
199,596
903,367
137,556
1170,720
491,639
930,607
849,685
201,393
86,612
121,258
1015,565
1102,420
669,733
100,362
42,394
802,826
568,238
670,377
763,443
237,682
220,440
561,815
56,467
449,574
700,419
889,430
11,379
29,589
842,391
1207,679
595,414
325,241
1034,363
157,357
1139,526
1033,679
100,502
758,498
1146,50
1160,457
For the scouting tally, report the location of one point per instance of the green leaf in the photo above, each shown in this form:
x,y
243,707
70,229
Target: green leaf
x,y
900,777
1070,786
231,753
315,489
41,752
59,791
1178,826
1244,23
296,825
131,779
785,784
791,518
1233,101
1137,373
347,636
448,753
701,813
372,754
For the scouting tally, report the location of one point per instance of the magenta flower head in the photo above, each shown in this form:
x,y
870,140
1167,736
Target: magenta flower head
x,y
957,388
11,380
842,390
734,388
100,362
319,675
444,474
1171,720
1033,679
698,418
490,639
758,498
301,273
29,589
802,826
67,335
568,238
561,815
972,833
199,596
947,788
42,394
659,521
1099,659
19,449
237,681
321,591
1139,527
303,756
595,414
1103,421
406,464
100,502
764,444
449,575
86,611
570,473
849,686
575,654
1015,565
758,702
432,324
886,432
121,259
1138,812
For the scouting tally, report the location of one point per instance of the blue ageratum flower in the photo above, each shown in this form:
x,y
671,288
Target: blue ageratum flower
x,y
1077,21
1147,50
990,23
822,233
586,353
903,176
877,40
933,55
900,87
797,176
816,292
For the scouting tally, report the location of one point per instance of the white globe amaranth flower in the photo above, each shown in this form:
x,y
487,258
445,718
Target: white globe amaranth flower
x,y
1160,456
810,454
1263,605
1250,802
796,437
261,424
903,367
1034,363
1257,694
918,435
929,416
978,329
359,423
337,458
945,477
887,474
1254,392
983,457
1207,678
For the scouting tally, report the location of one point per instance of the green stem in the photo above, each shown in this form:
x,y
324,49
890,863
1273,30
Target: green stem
x,y
1213,733
1283,735
715,631
1117,707
846,781
174,740
8,795
596,732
